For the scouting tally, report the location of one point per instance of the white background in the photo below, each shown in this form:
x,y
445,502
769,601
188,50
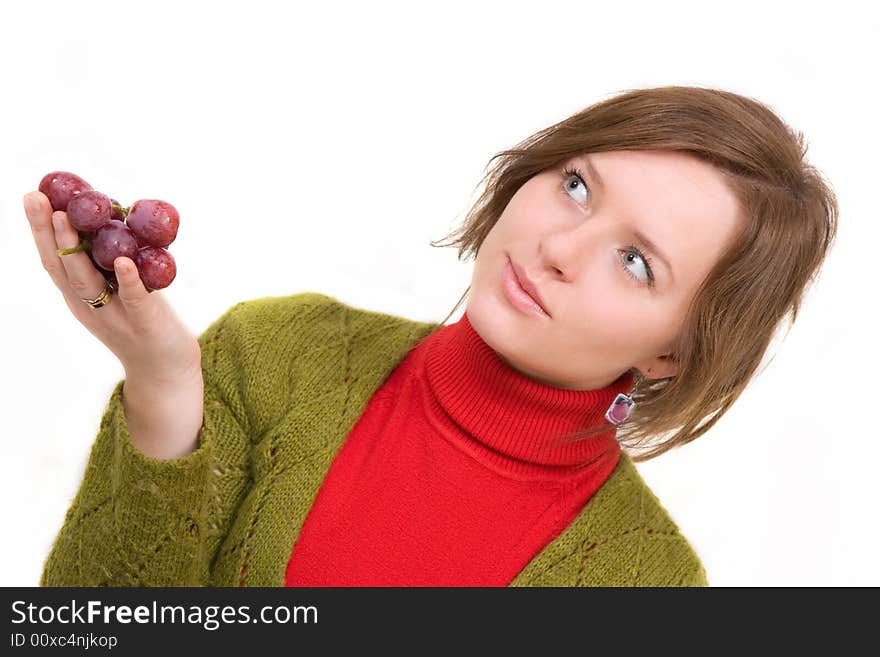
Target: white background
x,y
321,146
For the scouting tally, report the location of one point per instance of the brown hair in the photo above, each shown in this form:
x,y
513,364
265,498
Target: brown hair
x,y
790,223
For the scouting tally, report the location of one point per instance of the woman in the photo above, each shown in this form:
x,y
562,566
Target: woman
x,y
632,265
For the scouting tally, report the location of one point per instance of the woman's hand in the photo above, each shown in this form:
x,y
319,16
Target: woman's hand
x,y
140,328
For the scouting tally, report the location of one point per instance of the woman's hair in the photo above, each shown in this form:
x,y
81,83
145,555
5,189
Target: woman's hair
x,y
790,223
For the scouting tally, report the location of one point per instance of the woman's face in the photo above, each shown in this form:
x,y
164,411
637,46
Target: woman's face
x,y
574,238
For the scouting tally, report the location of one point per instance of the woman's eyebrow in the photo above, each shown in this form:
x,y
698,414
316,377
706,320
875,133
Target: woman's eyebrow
x,y
652,248
593,173
645,241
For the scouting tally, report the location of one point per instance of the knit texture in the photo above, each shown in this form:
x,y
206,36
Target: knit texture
x,y
286,379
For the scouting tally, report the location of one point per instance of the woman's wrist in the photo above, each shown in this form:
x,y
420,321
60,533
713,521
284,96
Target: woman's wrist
x,y
164,416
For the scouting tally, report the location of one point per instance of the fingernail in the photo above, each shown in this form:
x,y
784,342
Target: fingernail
x,y
56,221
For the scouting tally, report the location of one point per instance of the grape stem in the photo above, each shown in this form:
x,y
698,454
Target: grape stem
x,y
84,245
123,210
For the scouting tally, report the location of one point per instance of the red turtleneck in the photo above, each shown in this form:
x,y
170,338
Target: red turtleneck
x,y
446,479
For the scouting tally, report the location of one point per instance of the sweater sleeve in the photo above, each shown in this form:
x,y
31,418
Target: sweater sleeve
x,y
668,560
140,521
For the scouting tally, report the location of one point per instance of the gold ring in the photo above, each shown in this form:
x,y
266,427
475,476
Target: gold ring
x,y
103,298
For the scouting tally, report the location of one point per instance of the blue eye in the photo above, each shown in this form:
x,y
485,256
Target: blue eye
x,y
574,175
633,250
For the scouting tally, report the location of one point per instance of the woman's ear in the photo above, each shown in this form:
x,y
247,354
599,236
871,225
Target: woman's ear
x,y
660,367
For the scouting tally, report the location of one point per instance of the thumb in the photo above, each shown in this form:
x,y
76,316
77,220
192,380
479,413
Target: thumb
x,y
131,291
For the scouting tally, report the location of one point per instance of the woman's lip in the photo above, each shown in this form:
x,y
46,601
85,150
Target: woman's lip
x,y
517,295
527,285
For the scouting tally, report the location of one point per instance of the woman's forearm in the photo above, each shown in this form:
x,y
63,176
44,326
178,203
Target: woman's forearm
x,y
164,418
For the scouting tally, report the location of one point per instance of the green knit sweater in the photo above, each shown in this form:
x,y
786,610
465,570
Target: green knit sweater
x,y
286,378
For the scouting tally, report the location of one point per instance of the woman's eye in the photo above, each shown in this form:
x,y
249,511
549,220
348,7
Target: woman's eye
x,y
634,251
573,184
634,257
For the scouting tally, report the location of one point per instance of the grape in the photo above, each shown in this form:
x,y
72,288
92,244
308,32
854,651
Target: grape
x,y
89,210
119,215
140,232
141,243
156,267
110,241
153,222
109,276
61,186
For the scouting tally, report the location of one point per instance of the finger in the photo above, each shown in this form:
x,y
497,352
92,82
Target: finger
x,y
82,277
39,214
132,293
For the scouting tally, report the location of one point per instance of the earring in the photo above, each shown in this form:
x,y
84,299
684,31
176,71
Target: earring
x,y
620,410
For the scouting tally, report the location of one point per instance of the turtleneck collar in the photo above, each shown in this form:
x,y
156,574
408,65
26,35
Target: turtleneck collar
x,y
513,420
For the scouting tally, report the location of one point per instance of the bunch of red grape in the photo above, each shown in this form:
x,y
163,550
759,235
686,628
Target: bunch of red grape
x,y
107,230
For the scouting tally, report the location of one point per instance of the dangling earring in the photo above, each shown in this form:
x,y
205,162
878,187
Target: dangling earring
x,y
620,409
